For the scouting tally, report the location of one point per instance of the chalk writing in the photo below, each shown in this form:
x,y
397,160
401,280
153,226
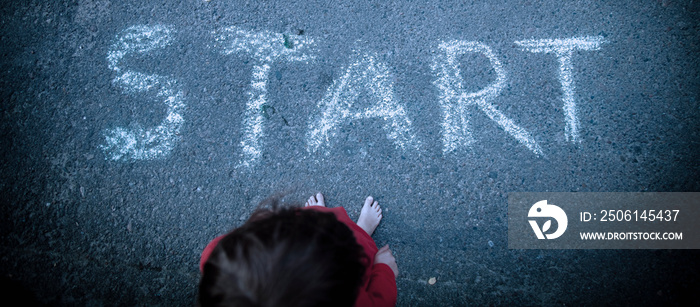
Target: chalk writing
x,y
138,143
456,103
563,49
364,76
367,74
265,48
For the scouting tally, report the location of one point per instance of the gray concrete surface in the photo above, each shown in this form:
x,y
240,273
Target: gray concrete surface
x,y
81,229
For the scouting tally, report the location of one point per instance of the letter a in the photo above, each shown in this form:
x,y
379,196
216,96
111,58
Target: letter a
x,y
364,74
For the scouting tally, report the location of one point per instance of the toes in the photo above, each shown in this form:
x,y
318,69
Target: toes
x,y
368,201
315,200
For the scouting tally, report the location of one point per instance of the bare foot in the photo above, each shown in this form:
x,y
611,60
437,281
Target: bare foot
x,y
316,200
370,215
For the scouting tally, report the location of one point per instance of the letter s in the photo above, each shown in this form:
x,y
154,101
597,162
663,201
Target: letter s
x,y
136,142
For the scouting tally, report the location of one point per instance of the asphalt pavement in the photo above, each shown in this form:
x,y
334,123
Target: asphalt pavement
x,y
133,132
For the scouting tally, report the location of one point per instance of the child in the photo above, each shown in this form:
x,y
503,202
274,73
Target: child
x,y
313,256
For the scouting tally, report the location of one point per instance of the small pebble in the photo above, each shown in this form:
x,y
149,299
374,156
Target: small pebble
x,y
432,280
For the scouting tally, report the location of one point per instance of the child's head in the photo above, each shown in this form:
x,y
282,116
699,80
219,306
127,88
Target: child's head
x,y
284,257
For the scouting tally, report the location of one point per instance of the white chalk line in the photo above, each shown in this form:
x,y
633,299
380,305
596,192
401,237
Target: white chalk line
x,y
138,143
563,49
265,48
364,73
454,100
253,118
562,45
138,39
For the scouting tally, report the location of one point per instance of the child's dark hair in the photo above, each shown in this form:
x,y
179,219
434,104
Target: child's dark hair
x,y
284,257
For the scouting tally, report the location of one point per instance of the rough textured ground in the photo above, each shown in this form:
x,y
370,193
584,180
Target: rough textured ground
x,y
81,229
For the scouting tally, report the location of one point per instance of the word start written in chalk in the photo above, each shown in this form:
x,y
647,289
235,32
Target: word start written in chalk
x,y
363,75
